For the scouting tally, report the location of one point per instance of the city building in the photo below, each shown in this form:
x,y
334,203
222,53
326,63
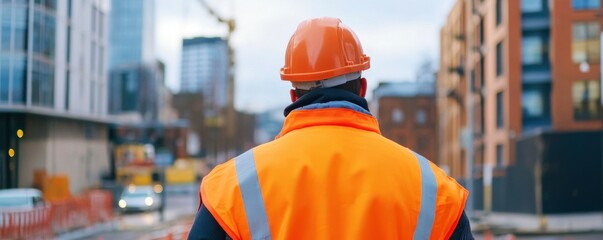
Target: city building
x,y
407,115
205,70
268,125
511,72
137,92
136,77
53,91
132,32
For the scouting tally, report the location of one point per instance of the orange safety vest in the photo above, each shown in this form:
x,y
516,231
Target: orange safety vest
x,y
330,174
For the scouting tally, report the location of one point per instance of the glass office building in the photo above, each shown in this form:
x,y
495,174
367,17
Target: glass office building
x,y
132,32
53,88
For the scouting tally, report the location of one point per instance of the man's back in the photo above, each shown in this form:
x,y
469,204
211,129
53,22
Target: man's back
x,y
328,177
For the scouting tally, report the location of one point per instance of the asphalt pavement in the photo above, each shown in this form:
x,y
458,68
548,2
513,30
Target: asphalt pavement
x,y
181,205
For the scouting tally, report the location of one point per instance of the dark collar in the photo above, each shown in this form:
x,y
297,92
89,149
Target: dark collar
x,y
324,95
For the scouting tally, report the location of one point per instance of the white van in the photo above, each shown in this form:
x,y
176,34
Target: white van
x,y
20,199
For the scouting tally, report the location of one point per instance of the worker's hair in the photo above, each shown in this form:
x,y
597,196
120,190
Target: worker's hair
x,y
352,86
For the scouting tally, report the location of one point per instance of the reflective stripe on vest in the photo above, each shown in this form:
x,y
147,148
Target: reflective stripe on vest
x,y
252,196
256,211
429,190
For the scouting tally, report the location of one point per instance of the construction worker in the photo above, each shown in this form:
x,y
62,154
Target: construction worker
x,y
329,174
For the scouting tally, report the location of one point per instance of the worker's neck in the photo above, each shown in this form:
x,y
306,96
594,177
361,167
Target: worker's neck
x,y
327,95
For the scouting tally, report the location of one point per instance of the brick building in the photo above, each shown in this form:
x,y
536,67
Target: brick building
x,y
533,67
406,112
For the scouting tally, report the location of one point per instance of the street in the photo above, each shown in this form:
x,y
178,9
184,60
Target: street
x,y
181,206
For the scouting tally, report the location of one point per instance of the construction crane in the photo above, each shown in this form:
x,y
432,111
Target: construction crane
x,y
230,113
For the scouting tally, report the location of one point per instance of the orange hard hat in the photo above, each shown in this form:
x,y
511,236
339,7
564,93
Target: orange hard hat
x,y
323,48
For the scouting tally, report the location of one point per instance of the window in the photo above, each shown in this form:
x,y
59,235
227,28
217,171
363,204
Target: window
x,y
101,25
93,20
19,79
20,34
481,31
129,94
499,155
533,50
397,116
101,61
472,79
69,6
499,111
92,58
6,25
536,104
68,48
421,117
44,31
499,59
4,77
50,4
482,72
498,12
423,144
482,122
530,6
586,96
67,90
585,43
92,96
42,84
585,4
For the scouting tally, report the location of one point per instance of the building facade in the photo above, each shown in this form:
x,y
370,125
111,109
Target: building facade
x,y
53,88
132,32
205,69
518,68
137,92
406,112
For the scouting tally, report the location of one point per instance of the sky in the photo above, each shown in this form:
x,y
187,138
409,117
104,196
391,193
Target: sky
x,y
398,35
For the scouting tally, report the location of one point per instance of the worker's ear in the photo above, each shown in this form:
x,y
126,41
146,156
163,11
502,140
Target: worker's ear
x,y
362,92
293,95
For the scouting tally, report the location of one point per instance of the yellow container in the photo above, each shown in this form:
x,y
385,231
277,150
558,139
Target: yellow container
x,y
179,175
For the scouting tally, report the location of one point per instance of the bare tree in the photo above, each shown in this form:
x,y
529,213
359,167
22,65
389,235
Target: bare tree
x,y
426,71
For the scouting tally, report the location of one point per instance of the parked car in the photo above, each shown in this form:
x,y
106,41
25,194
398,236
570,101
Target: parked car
x,y
139,198
20,199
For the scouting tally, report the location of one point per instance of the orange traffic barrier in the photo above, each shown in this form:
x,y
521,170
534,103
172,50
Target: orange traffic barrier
x,y
488,235
70,214
56,188
101,203
25,224
95,206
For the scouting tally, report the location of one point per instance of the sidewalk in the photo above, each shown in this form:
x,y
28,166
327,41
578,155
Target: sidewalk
x,y
533,224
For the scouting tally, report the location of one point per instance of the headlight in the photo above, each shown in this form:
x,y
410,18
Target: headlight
x,y
158,188
122,203
148,201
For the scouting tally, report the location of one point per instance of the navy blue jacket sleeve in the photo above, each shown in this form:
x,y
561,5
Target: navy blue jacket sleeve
x,y
463,229
206,227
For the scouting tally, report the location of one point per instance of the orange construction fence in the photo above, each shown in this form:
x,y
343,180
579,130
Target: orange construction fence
x,y
30,224
93,207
